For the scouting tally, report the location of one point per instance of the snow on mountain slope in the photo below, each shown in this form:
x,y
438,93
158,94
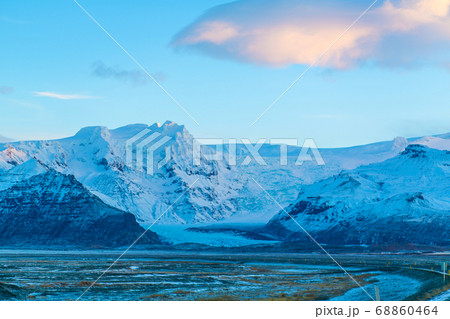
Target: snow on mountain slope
x,y
10,157
285,182
437,142
21,172
405,199
96,156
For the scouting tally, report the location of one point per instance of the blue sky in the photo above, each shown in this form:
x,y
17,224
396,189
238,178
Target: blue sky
x,y
225,63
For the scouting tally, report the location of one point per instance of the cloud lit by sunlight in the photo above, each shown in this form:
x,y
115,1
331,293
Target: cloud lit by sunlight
x,y
286,32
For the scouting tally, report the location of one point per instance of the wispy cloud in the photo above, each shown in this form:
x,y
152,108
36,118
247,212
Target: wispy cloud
x,y
285,32
135,77
63,96
6,89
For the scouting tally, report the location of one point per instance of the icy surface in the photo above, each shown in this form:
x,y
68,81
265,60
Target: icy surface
x,y
392,287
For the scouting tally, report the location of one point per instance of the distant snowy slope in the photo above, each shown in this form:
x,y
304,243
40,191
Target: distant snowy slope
x,y
404,199
437,142
10,157
4,139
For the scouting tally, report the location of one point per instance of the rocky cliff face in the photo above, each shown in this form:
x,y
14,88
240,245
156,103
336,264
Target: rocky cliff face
x,y
53,209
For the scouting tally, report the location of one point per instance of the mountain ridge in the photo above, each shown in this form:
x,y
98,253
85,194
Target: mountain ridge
x,y
96,157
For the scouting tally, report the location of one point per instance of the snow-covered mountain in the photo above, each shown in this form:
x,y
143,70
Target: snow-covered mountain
x,y
401,200
11,157
97,157
41,207
4,139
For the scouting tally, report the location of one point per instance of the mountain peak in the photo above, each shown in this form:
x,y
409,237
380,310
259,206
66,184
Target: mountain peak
x,y
169,123
155,126
434,142
13,156
419,151
93,132
167,128
165,125
172,129
415,151
400,142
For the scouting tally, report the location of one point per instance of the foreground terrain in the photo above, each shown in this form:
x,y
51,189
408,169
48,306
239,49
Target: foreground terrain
x,y
45,275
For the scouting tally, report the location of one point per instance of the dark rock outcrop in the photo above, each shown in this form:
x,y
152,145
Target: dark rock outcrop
x,y
54,209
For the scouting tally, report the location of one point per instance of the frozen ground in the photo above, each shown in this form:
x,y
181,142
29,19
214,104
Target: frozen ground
x,y
392,287
187,276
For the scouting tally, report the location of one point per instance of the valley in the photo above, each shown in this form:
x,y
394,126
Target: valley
x,y
169,275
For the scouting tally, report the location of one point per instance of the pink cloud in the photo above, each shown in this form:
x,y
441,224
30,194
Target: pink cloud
x,y
217,32
281,33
